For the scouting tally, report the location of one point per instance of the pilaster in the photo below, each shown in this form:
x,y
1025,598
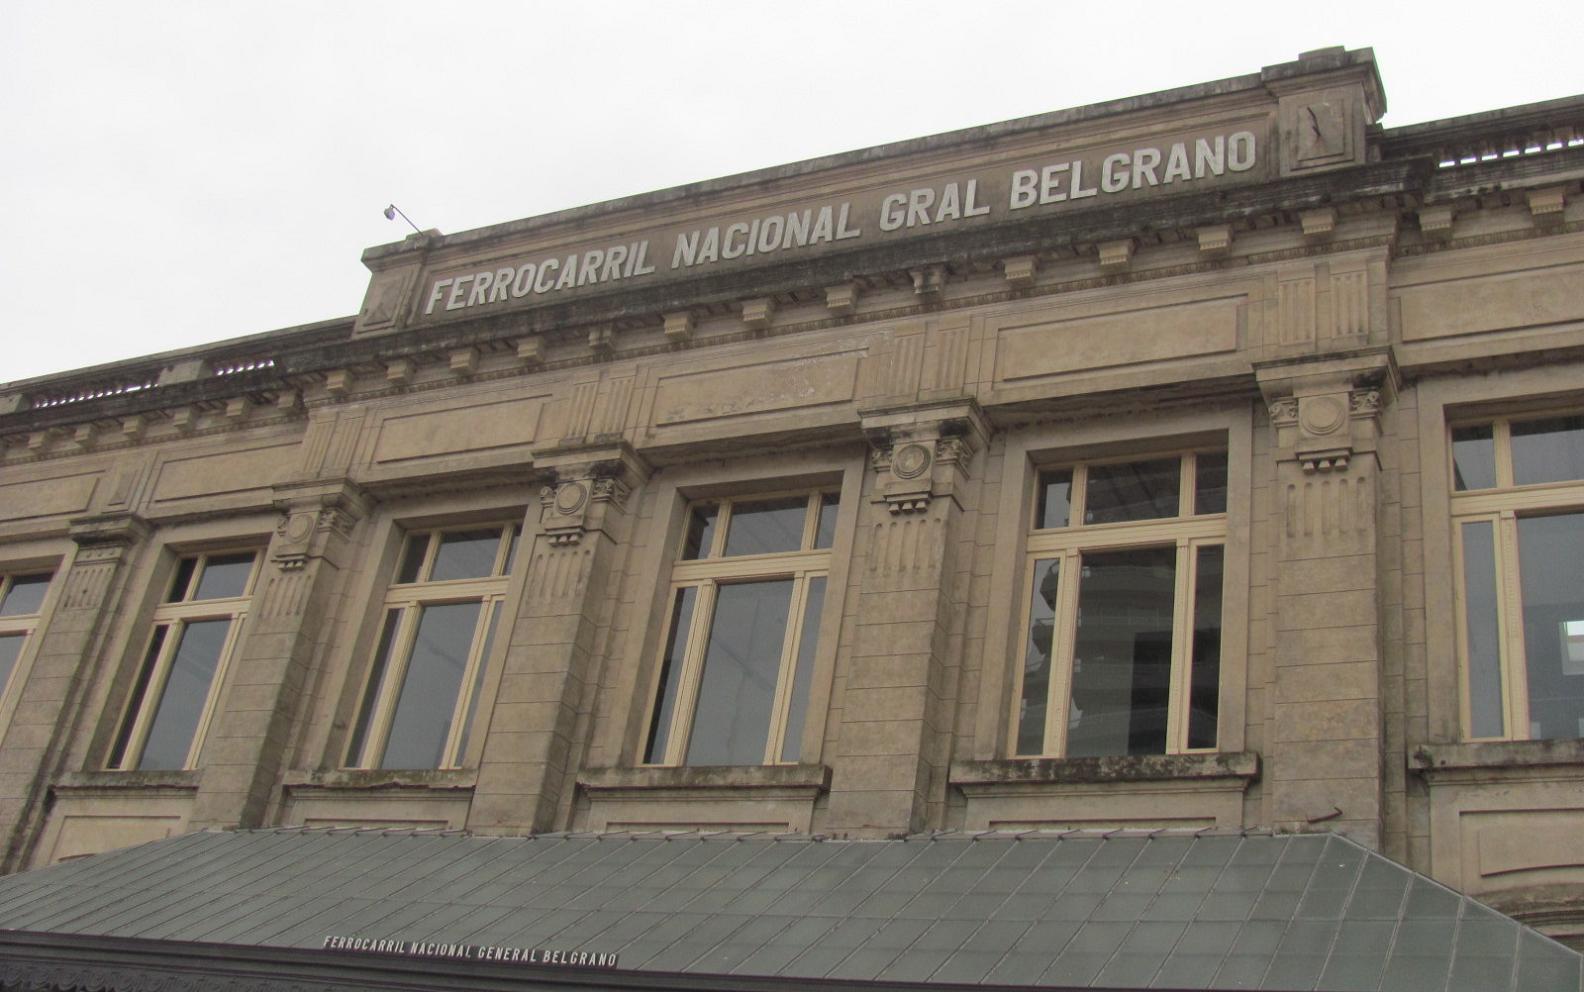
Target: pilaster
x,y
895,736
248,741
36,743
528,767
1325,746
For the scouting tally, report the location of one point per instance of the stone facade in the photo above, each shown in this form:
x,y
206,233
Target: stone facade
x,y
1241,326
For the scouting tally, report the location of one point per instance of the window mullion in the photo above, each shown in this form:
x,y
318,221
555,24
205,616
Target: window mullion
x,y
1501,443
390,686
1514,658
212,700
153,692
1182,639
464,688
681,730
782,700
1064,638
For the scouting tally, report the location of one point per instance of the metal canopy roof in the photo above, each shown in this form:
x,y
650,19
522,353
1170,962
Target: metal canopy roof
x,y
1161,910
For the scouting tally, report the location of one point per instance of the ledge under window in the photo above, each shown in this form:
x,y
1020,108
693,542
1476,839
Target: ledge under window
x,y
365,779
180,782
754,797
1156,791
1484,760
1095,771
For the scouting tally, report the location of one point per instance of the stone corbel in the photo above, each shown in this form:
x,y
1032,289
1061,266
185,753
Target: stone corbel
x,y
105,537
589,486
317,518
923,453
1325,417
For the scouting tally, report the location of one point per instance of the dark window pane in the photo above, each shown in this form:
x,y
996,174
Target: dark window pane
x,y
25,596
1037,658
511,549
478,685
1055,499
139,690
186,690
428,693
1204,681
466,554
372,688
1473,458
1122,656
732,719
1550,450
808,644
670,674
1132,491
701,531
183,580
1483,631
224,576
413,558
10,651
429,690
826,535
1210,482
766,526
1551,562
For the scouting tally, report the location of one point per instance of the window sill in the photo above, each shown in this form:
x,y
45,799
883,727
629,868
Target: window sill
x,y
362,780
981,775
1490,760
118,783
723,780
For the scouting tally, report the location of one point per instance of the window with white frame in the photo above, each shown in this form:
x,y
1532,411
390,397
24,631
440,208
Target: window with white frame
x,y
441,611
1518,521
21,601
195,633
742,631
1123,615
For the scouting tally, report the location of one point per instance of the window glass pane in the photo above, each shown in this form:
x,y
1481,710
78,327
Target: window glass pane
x,y
701,531
429,690
124,736
808,644
186,690
1473,458
10,651
180,584
1204,683
826,535
511,549
670,674
1550,450
1055,499
466,554
478,686
413,558
766,526
732,719
1132,491
371,692
1037,658
1551,562
1210,482
1122,655
224,576
25,596
1483,631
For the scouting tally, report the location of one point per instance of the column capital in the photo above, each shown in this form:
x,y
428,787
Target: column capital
x,y
1324,411
587,481
921,451
314,515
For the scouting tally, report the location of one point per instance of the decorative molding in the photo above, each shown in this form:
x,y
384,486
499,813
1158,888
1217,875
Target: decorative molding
x,y
842,298
1019,270
1319,222
1116,254
463,361
756,313
928,281
679,326
1214,238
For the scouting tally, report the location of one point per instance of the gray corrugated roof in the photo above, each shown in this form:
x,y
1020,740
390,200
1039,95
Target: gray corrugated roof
x,y
1130,911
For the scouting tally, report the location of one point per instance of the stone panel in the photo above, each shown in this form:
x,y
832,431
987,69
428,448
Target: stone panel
x,y
47,497
1052,347
225,473
1493,303
445,432
724,393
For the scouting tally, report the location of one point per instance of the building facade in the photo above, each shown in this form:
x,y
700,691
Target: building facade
x,y
1206,459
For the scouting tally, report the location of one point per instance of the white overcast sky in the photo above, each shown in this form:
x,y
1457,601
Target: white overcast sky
x,y
178,173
